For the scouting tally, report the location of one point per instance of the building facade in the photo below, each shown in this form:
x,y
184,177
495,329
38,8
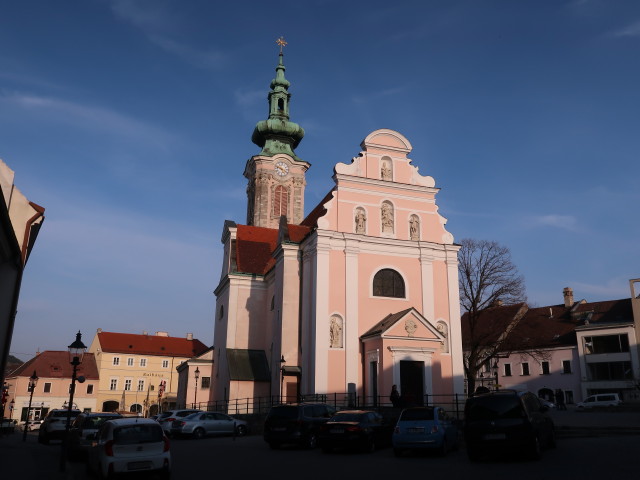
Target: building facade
x,y
138,372
194,381
359,295
54,373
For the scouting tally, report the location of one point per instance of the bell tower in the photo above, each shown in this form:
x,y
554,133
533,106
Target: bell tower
x,y
276,176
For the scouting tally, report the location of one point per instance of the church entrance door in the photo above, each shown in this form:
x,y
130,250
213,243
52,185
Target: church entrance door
x,y
412,382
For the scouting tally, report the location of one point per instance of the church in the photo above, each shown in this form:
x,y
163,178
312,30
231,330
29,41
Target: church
x,y
357,296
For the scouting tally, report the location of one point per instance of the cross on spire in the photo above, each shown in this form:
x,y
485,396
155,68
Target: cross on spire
x,y
281,42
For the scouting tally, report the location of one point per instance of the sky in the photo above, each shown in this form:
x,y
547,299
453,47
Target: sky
x,y
130,121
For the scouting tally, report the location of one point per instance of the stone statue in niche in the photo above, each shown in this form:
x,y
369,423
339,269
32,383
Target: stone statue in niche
x,y
387,218
442,328
410,326
385,171
414,228
335,333
361,221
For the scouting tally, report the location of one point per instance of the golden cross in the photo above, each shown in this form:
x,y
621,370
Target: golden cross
x,y
281,42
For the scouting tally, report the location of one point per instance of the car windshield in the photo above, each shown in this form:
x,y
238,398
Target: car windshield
x,y
284,412
63,413
417,414
348,417
165,415
493,407
95,422
193,416
132,434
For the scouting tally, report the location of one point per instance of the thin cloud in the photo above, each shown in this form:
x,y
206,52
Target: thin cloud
x,y
156,20
90,117
564,222
632,30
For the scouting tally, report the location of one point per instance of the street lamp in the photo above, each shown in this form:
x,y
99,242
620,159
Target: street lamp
x,y
33,380
76,352
282,362
495,374
196,374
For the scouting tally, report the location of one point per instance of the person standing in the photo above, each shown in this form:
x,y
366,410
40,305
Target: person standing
x,y
395,396
560,400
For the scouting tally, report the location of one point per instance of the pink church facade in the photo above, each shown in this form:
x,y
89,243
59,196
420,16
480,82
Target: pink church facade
x,y
360,295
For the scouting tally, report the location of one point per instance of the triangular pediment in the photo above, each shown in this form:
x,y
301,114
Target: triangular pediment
x,y
407,324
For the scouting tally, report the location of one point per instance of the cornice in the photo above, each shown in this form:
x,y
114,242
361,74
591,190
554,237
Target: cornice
x,y
341,177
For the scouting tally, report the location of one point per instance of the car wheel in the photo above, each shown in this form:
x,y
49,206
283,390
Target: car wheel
x,y
198,433
312,441
241,430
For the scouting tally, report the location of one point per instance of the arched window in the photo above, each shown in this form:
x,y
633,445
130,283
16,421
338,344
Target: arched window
x,y
388,283
280,201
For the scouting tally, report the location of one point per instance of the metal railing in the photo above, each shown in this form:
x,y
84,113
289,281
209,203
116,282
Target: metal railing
x,y
453,404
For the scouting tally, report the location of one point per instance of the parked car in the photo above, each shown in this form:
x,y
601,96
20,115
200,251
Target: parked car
x,y
32,425
201,424
507,421
130,444
425,428
606,400
355,429
8,425
165,419
297,423
83,431
55,424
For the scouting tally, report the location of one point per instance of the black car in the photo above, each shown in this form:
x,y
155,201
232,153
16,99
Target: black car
x,y
83,431
508,422
355,429
297,423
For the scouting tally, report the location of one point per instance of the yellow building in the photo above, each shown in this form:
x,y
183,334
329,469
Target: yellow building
x,y
138,372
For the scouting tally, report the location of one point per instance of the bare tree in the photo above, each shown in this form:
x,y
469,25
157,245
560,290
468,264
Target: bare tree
x,y
488,278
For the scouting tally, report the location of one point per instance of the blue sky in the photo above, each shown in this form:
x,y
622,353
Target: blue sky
x,y
130,121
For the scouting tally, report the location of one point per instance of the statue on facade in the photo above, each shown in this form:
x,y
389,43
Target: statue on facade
x,y
414,228
361,221
387,218
385,171
335,333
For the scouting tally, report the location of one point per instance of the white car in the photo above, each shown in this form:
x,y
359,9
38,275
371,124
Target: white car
x,y
129,445
601,400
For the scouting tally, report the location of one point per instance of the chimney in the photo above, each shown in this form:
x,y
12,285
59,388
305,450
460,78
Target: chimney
x,y
189,336
568,297
497,303
162,334
144,332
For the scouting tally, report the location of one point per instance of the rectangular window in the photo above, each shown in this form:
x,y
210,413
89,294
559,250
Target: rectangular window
x,y
165,363
90,389
525,368
206,382
130,362
545,368
116,361
566,366
609,371
47,387
507,369
113,384
127,384
606,344
143,362
141,385
568,396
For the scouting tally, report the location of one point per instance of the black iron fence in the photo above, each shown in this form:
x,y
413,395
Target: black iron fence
x,y
453,404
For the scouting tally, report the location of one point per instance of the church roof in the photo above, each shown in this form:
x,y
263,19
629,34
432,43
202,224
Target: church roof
x,y
150,345
255,245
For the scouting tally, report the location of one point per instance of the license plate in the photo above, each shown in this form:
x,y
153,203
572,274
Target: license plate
x,y
138,465
495,436
278,429
337,430
416,430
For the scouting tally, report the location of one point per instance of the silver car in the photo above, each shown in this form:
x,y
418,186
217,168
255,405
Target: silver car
x,y
199,425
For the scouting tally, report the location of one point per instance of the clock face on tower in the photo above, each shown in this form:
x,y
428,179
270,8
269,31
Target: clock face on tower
x,y
281,169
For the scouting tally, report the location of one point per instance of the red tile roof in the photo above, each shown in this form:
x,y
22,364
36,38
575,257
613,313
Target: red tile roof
x,y
254,246
544,327
150,345
55,364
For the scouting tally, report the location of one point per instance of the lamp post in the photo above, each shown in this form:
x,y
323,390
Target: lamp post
x,y
495,374
33,380
76,352
12,404
196,375
282,362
